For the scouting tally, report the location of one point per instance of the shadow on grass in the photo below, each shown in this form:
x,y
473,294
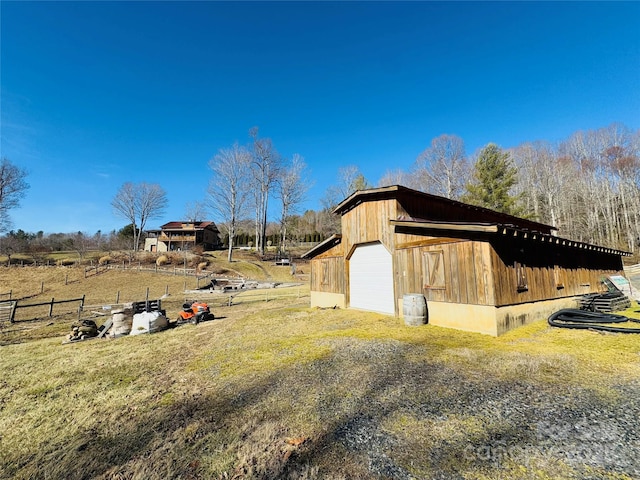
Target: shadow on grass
x,y
375,412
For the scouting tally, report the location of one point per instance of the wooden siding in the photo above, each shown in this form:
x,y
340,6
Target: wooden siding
x,y
551,271
486,273
467,272
328,271
369,222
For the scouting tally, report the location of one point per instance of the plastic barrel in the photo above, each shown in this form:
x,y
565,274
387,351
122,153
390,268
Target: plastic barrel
x,y
414,309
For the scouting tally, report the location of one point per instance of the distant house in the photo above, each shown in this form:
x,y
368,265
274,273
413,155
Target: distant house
x,y
179,236
479,270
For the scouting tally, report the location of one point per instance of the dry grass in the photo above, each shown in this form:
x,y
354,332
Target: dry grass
x,y
278,390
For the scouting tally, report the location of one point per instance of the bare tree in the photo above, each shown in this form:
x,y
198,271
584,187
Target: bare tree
x,y
228,188
350,180
443,168
80,242
12,188
138,203
542,176
396,177
195,212
291,189
265,166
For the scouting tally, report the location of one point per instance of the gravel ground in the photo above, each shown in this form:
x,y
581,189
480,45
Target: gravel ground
x,y
573,432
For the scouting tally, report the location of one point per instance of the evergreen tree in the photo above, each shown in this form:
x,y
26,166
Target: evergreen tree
x,y
493,176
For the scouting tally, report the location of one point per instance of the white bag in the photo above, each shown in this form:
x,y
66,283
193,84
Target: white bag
x,y
148,322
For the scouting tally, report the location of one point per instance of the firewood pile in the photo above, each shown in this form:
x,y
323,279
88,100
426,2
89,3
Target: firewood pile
x,y
86,329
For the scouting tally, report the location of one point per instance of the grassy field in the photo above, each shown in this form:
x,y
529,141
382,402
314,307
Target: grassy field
x,y
275,389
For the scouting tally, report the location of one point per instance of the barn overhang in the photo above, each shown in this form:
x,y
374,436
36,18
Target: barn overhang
x,y
501,230
323,246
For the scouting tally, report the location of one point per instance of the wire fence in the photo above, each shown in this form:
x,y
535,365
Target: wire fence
x,y
250,296
140,267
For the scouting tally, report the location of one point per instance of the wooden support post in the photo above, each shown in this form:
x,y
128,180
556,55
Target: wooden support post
x,y
166,290
66,277
42,287
51,307
118,297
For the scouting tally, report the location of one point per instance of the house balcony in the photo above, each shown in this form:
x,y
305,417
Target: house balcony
x,y
177,238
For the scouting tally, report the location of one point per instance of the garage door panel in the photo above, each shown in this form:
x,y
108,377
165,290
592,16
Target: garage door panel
x,y
371,279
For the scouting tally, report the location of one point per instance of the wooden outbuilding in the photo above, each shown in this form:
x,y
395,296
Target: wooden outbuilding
x,y
479,270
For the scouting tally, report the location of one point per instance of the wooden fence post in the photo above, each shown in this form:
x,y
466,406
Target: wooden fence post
x,y
81,307
118,297
42,287
51,308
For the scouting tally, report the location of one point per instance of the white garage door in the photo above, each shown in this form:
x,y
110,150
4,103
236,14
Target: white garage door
x,y
371,279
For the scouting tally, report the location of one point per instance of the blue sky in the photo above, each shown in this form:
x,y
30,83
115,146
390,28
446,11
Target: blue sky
x,y
98,94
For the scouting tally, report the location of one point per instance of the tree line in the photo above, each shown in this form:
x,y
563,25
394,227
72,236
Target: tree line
x,y
588,186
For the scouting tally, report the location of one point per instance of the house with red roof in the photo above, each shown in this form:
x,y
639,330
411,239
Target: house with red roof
x,y
183,235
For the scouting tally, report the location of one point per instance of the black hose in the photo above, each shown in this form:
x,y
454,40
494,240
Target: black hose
x,y
581,319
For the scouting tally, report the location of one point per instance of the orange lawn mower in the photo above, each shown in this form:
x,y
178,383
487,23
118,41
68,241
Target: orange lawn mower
x,y
195,312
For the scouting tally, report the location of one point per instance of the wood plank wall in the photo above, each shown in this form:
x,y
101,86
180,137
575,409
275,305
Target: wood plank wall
x,y
467,272
482,273
328,271
550,271
369,222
